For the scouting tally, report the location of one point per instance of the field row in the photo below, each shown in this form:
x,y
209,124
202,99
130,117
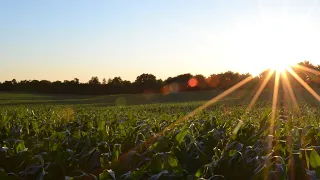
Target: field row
x,y
155,142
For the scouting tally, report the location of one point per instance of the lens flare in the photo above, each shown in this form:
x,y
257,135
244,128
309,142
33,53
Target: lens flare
x,y
193,82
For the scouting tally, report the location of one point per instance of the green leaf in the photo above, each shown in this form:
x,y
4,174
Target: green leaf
x,y
138,173
157,163
35,126
172,160
307,160
106,174
116,151
200,172
232,152
19,146
314,159
153,146
180,136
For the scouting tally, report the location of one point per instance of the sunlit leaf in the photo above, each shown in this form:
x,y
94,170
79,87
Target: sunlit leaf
x,y
314,159
107,174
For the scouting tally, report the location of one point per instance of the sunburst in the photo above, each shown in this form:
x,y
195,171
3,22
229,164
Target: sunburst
x,y
273,41
279,74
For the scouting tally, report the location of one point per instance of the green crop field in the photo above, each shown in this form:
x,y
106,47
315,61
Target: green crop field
x,y
63,137
160,89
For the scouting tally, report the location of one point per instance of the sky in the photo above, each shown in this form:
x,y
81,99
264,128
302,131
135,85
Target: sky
x,y
62,40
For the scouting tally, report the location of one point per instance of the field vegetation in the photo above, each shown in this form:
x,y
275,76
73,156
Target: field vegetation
x,y
219,133
60,141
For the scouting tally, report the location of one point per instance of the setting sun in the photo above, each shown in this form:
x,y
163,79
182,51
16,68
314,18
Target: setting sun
x,y
280,65
274,42
216,89
275,65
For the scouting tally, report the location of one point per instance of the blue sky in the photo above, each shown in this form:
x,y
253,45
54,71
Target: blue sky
x,y
59,40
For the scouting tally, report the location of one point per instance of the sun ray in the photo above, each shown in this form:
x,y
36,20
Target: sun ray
x,y
194,112
285,95
275,97
210,102
257,94
273,114
304,84
308,69
274,106
289,88
274,102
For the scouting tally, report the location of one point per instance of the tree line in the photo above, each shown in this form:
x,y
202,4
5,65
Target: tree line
x,y
148,83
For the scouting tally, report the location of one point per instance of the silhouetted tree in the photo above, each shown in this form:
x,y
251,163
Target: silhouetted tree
x,y
94,80
181,81
201,81
146,82
104,81
75,81
14,82
149,83
228,79
115,81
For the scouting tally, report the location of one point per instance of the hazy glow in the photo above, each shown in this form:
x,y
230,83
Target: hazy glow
x,y
304,84
288,87
275,97
274,42
192,113
261,88
308,69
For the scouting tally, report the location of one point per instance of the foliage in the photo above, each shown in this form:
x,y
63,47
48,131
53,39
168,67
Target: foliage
x,y
133,142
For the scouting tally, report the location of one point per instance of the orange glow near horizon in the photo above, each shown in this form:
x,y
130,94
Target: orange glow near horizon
x,y
308,69
194,112
210,102
193,82
304,84
279,73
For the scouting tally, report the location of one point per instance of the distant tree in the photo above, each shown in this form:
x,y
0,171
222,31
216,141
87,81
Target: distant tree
x,y
126,83
146,82
181,81
201,81
75,81
228,79
104,81
144,78
45,82
14,82
308,64
149,83
57,82
24,82
34,82
94,80
213,80
308,77
7,82
115,81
